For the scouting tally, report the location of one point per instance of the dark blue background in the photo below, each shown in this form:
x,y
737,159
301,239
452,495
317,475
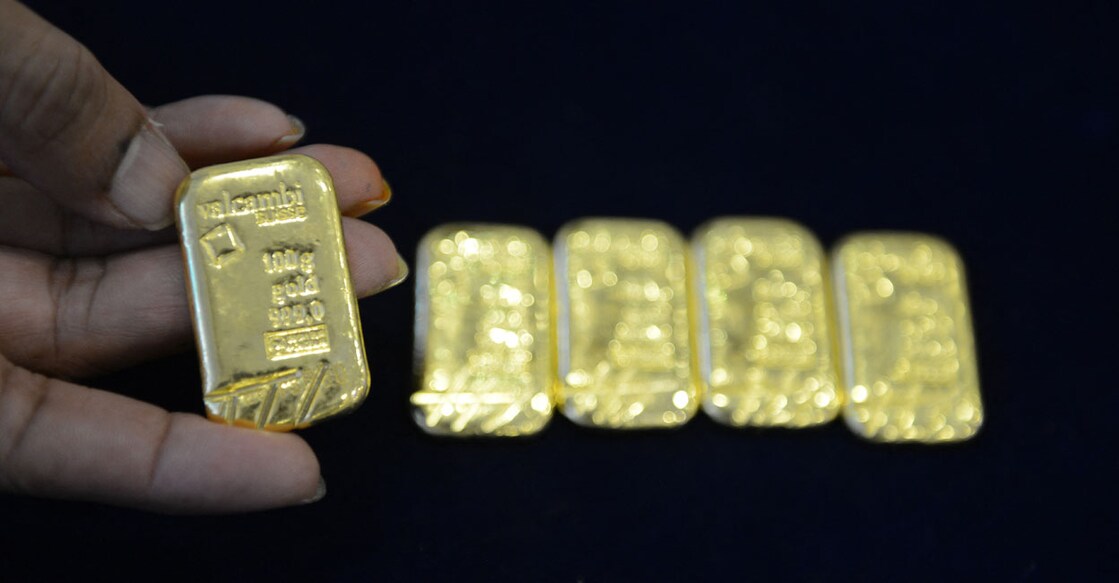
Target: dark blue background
x,y
994,127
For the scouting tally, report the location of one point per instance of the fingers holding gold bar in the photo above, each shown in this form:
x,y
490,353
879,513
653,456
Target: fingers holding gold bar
x,y
375,264
358,182
214,129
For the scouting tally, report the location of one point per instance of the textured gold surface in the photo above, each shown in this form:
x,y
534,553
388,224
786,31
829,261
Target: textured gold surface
x,y
765,342
274,311
908,355
484,348
623,328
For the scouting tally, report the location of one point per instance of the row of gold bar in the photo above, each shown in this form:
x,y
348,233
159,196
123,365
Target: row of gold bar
x,y
625,325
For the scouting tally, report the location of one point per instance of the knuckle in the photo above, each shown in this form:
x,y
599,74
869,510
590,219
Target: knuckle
x,y
56,87
157,461
75,284
22,396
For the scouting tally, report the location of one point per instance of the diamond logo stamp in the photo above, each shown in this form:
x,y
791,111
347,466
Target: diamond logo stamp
x,y
222,245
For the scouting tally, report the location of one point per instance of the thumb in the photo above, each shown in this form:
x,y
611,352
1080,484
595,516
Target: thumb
x,y
71,130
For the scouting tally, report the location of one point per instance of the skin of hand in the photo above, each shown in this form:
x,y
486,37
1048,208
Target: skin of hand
x,y
93,281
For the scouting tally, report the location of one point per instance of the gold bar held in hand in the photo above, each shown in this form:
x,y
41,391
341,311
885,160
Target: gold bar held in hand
x,y
624,332
274,311
765,341
483,339
909,365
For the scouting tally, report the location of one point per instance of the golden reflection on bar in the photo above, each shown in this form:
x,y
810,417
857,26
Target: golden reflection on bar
x,y
484,348
908,362
765,342
624,332
274,311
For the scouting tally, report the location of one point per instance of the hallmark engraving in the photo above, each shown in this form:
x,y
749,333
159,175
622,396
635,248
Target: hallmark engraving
x,y
283,205
222,245
294,288
286,397
297,314
288,259
283,344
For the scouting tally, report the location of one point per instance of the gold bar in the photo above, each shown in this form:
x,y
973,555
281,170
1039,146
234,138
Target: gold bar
x,y
484,348
765,342
623,326
908,363
274,311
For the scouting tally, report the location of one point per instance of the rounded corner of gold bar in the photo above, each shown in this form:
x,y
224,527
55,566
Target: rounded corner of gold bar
x,y
530,425
840,247
934,240
566,230
183,197
434,233
720,413
574,413
360,395
706,226
859,428
791,224
687,413
419,417
675,235
976,428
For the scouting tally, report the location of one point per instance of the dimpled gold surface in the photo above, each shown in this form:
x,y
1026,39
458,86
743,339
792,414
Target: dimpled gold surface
x,y
765,343
274,311
624,334
484,348
908,363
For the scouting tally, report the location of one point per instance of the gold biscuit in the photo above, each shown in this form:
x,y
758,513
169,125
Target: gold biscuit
x,y
274,311
624,329
908,363
765,343
483,339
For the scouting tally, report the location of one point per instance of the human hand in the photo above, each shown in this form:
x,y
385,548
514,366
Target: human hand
x,y
93,281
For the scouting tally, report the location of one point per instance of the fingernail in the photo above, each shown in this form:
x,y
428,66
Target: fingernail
x,y
372,204
319,494
401,274
146,179
296,133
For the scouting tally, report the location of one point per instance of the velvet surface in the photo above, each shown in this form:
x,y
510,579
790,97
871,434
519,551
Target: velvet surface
x,y
995,128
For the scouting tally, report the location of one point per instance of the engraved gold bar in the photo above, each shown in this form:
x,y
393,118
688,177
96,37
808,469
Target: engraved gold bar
x,y
274,311
909,365
624,328
483,339
765,341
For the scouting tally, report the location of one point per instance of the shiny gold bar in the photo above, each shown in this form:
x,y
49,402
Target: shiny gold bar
x,y
908,361
274,311
765,341
624,331
484,348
